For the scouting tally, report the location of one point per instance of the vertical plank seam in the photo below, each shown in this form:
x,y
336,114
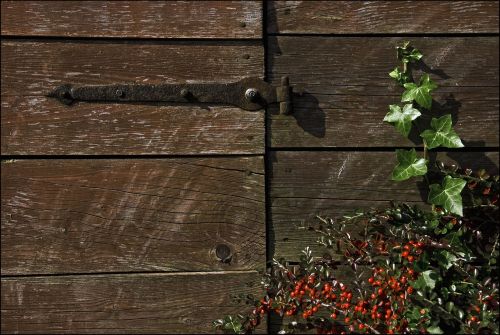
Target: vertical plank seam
x,y
267,160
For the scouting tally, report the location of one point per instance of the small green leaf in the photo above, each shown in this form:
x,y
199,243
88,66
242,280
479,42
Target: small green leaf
x,y
409,165
460,313
445,259
401,77
407,53
401,119
420,93
415,55
449,306
441,134
395,73
448,195
434,330
429,278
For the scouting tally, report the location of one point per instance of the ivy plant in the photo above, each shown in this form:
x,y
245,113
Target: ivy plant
x,y
416,100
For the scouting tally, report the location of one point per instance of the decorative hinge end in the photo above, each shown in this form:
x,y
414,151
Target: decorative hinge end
x,y
63,93
284,96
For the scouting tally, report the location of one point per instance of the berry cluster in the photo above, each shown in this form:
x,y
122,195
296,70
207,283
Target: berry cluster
x,y
412,250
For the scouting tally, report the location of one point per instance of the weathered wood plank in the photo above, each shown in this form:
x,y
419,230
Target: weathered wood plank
x,y
306,184
368,17
133,19
134,303
347,89
74,216
34,124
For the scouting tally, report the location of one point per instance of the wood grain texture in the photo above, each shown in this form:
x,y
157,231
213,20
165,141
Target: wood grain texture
x,y
368,17
347,89
332,184
134,303
34,124
133,19
85,216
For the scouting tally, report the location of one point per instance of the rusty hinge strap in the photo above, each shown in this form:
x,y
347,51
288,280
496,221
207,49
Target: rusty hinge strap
x,y
249,93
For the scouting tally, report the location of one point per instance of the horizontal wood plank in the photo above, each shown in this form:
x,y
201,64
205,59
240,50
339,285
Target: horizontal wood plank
x,y
85,216
347,90
133,19
134,303
35,124
394,17
332,184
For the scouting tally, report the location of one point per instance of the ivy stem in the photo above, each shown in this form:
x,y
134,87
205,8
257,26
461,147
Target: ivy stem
x,y
493,250
426,177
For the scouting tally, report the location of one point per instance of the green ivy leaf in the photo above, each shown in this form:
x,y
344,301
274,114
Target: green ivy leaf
x,y
420,93
415,55
445,259
401,119
401,77
429,277
441,134
407,53
448,195
409,165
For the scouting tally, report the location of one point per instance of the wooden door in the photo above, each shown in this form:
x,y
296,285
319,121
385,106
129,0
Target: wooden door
x,y
116,217
112,214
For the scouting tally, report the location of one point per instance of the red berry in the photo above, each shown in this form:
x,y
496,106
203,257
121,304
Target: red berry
x,y
405,254
347,319
333,316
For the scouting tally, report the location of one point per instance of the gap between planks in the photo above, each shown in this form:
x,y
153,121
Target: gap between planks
x,y
132,274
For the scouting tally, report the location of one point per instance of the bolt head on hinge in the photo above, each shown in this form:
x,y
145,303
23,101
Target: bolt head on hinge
x,y
119,93
251,94
185,93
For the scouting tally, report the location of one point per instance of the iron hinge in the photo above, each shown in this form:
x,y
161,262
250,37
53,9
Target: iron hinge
x,y
249,93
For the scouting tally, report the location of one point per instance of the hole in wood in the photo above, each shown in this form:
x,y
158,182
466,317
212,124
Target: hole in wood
x,y
223,253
